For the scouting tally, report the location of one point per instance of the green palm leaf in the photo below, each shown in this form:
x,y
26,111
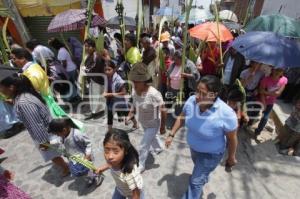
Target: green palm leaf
x,y
187,12
100,42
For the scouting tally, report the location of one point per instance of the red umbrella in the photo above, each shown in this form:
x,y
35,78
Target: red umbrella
x,y
209,32
73,19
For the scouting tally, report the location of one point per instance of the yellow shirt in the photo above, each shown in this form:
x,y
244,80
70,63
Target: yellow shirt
x,y
38,78
133,55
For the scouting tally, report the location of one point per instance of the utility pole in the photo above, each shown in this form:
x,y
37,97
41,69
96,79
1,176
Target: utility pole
x,y
17,19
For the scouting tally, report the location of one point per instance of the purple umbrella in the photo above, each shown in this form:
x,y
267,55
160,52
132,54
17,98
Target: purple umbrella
x,y
73,19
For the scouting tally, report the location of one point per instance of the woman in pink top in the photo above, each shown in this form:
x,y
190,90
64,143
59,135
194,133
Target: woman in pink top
x,y
176,73
270,88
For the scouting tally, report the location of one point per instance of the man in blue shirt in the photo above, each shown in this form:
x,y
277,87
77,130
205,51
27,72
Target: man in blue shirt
x,y
210,123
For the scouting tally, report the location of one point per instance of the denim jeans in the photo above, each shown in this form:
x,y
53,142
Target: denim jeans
x,y
150,140
204,164
73,92
118,195
264,119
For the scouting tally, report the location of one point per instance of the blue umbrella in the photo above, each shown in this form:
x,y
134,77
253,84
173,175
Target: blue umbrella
x,y
167,11
269,48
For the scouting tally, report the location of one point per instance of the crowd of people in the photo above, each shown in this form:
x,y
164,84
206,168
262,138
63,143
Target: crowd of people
x,y
141,82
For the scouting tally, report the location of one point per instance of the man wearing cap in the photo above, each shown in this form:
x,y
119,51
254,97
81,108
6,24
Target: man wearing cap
x,y
165,40
149,106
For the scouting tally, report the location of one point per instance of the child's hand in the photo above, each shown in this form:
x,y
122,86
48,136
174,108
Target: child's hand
x,y
98,171
102,169
107,95
9,101
184,75
88,157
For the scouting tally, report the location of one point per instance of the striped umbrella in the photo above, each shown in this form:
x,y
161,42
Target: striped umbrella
x,y
73,19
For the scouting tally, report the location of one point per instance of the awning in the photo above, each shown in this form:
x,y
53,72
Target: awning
x,y
30,8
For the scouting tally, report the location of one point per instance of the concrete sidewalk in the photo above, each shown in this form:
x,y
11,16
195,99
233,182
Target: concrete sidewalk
x,y
260,173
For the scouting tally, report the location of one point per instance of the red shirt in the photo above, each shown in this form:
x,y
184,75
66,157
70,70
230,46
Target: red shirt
x,y
210,60
168,62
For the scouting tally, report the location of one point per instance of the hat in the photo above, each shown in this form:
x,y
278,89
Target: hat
x,y
177,41
7,72
139,73
165,37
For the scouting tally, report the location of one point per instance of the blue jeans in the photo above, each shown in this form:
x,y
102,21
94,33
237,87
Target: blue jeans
x,y
264,119
73,92
204,163
150,140
118,195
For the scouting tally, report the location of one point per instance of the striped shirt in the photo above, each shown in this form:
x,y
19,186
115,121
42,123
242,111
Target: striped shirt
x,y
127,182
34,115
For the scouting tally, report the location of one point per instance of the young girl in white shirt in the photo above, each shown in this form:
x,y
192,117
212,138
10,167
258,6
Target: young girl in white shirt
x,y
122,160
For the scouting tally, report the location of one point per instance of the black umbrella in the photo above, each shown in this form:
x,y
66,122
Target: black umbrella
x,y
113,23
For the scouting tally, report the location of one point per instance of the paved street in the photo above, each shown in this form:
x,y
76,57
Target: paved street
x,y
260,173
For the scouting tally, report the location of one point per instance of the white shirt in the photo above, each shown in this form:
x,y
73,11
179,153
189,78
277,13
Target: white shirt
x,y
42,53
26,66
127,182
147,107
64,55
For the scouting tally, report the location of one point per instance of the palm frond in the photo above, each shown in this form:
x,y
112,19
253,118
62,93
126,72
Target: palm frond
x,y
185,34
4,12
100,42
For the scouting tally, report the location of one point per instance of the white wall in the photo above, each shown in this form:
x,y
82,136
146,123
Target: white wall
x,y
290,8
204,3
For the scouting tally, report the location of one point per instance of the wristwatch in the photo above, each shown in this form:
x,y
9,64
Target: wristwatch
x,y
171,135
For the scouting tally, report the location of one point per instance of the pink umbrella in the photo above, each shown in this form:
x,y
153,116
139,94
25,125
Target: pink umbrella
x,y
73,19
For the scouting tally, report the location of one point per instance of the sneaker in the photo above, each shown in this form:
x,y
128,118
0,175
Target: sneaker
x,y
158,151
90,182
141,169
98,180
